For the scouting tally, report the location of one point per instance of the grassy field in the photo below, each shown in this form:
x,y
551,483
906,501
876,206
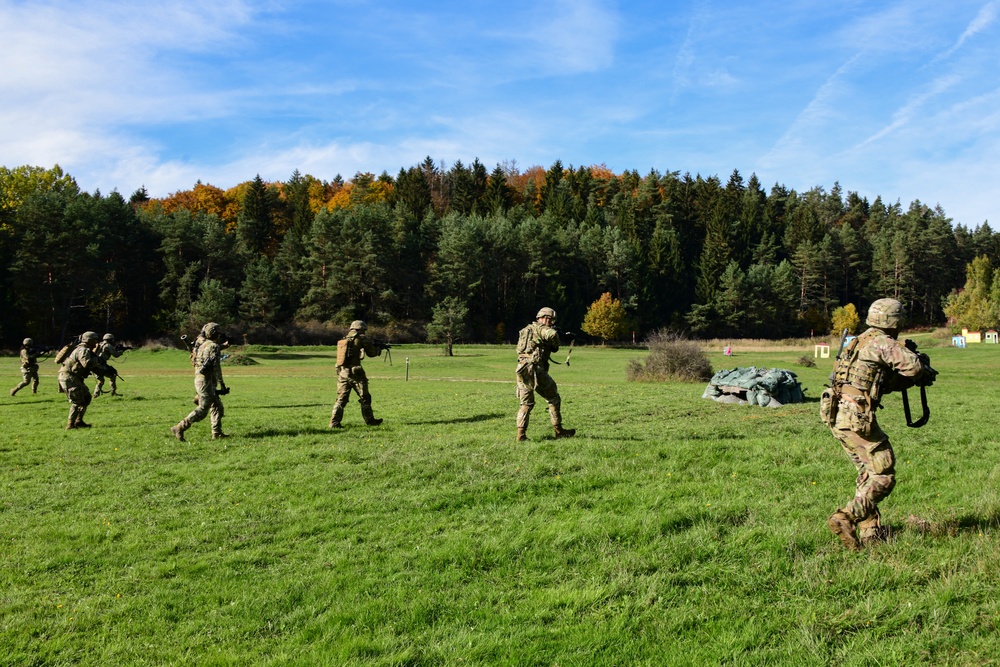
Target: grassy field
x,y
671,531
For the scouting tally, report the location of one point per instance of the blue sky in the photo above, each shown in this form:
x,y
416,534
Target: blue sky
x,y
898,99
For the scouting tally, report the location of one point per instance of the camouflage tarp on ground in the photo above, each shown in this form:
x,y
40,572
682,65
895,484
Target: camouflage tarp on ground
x,y
767,387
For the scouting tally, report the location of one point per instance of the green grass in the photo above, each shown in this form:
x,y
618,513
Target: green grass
x,y
671,531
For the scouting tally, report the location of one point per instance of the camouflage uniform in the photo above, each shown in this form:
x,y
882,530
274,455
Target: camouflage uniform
x,y
351,376
535,345
29,368
75,369
207,362
105,350
872,365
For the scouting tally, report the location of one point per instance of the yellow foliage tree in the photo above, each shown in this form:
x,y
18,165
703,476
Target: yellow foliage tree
x,y
845,317
605,319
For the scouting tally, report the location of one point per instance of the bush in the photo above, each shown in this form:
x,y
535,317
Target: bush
x,y
671,357
808,362
240,360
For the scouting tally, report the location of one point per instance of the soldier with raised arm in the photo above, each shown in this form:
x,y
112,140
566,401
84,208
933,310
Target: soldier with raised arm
x,y
535,345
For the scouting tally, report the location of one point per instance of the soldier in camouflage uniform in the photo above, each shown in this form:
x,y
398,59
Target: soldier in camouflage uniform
x,y
351,376
75,369
535,344
872,365
29,367
105,350
207,362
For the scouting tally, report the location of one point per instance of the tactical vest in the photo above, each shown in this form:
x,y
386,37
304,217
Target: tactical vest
x,y
862,376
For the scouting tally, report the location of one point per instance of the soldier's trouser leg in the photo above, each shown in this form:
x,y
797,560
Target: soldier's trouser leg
x,y
343,398
217,411
365,400
99,389
527,399
875,462
20,385
208,403
79,398
546,388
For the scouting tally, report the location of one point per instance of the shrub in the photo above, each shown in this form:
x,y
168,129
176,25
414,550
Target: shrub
x,y
808,362
671,357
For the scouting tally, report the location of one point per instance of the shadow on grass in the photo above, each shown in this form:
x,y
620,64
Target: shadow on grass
x,y
301,405
288,356
274,432
949,526
460,420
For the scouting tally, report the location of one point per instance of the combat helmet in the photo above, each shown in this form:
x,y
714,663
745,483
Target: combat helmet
x,y
546,312
886,314
359,325
90,338
210,330
109,337
28,342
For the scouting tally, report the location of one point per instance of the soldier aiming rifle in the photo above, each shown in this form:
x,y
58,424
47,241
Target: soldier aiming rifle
x,y
29,365
351,349
107,349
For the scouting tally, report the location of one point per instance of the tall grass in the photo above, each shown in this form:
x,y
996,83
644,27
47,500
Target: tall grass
x,y
671,530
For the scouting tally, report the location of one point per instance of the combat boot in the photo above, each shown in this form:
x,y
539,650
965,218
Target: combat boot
x,y
564,432
522,434
178,430
843,527
70,425
369,416
82,424
13,391
219,436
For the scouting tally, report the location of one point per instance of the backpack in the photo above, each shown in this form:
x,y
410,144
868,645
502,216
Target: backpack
x,y
64,352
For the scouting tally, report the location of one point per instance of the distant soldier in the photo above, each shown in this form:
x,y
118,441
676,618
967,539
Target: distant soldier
x,y
29,367
207,362
535,344
351,376
75,369
873,364
105,350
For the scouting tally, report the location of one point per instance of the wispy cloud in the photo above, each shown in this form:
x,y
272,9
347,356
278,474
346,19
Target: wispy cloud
x,y
984,18
911,109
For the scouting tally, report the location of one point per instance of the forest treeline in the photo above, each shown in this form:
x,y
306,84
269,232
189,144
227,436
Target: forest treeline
x,y
281,260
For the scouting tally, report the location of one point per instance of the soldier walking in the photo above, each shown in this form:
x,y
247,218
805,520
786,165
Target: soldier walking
x,y
75,369
29,367
535,345
351,376
872,365
105,350
207,362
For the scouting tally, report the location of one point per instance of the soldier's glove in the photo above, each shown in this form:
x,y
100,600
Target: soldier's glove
x,y
569,335
223,391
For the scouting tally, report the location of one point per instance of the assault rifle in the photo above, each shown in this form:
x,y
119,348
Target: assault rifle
x,y
840,351
383,344
925,380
